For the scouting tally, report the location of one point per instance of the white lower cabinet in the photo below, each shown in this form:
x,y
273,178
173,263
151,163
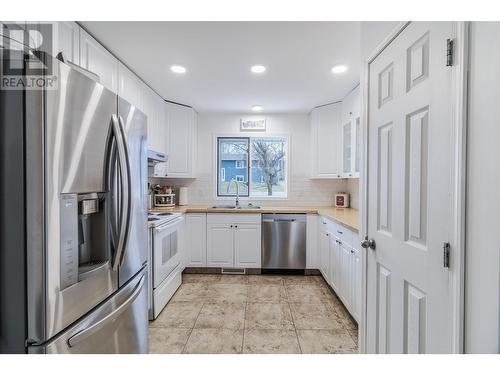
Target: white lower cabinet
x,y
356,284
324,251
335,262
345,275
220,245
247,242
340,263
196,240
233,240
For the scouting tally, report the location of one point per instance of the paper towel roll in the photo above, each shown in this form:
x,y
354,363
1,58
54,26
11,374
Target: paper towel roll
x,y
183,196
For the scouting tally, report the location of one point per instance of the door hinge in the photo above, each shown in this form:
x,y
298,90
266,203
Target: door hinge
x,y
446,254
449,52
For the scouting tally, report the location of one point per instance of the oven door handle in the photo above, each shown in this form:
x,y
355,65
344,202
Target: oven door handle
x,y
168,225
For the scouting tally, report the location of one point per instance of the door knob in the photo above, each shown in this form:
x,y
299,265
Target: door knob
x,y
366,243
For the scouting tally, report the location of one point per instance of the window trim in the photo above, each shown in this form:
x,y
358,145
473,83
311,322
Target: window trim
x,y
249,136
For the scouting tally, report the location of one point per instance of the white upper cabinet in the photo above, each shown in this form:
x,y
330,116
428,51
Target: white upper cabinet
x,y
350,120
335,138
130,87
325,142
67,41
96,59
181,140
14,31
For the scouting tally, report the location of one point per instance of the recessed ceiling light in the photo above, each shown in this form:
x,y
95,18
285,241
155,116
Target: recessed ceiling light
x,y
179,69
258,69
257,108
339,69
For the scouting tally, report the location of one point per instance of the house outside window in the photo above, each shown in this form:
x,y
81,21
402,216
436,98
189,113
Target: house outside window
x,y
258,164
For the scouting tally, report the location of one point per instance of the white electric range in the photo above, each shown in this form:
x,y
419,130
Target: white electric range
x,y
165,259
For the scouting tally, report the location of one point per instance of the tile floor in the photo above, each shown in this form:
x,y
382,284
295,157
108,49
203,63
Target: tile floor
x,y
253,314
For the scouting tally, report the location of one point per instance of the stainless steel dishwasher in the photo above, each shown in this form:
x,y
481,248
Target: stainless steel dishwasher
x,y
284,241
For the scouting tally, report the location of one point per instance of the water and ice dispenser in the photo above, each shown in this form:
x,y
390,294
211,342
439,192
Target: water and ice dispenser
x,y
84,241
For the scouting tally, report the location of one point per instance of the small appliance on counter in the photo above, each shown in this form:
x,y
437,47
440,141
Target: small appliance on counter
x,y
163,196
164,200
342,200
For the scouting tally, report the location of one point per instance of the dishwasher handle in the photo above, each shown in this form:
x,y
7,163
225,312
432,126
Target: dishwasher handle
x,y
278,220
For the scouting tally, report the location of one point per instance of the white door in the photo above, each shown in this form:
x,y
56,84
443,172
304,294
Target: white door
x,y
97,59
334,262
347,149
324,253
68,41
220,245
409,173
196,245
247,241
130,87
357,146
345,275
180,140
325,133
355,284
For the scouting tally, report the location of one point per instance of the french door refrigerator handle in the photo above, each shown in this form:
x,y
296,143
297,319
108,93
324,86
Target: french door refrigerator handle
x,y
110,186
125,187
83,334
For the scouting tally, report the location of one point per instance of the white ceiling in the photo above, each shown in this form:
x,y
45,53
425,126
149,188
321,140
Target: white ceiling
x,y
218,56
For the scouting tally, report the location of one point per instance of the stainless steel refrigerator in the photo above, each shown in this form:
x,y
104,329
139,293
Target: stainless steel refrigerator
x,y
73,214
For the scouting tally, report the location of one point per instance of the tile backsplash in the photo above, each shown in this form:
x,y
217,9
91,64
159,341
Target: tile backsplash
x,y
303,191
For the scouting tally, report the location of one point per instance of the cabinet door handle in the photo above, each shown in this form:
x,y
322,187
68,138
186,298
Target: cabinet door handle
x,y
230,226
327,235
236,226
339,232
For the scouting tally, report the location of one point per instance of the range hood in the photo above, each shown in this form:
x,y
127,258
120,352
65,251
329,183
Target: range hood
x,y
156,157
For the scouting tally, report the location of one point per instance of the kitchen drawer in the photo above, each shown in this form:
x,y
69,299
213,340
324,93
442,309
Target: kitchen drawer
x,y
344,234
233,218
329,225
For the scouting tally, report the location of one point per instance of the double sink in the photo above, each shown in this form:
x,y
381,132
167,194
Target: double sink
x,y
249,206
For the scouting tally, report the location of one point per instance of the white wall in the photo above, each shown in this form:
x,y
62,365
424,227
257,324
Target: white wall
x,y
302,190
372,34
482,329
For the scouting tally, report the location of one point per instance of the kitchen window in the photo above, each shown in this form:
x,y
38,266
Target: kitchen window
x,y
258,165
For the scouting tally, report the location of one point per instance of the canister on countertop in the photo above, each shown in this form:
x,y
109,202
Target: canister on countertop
x,y
342,200
183,196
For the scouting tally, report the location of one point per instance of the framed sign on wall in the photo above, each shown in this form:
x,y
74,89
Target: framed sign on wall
x,y
253,125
